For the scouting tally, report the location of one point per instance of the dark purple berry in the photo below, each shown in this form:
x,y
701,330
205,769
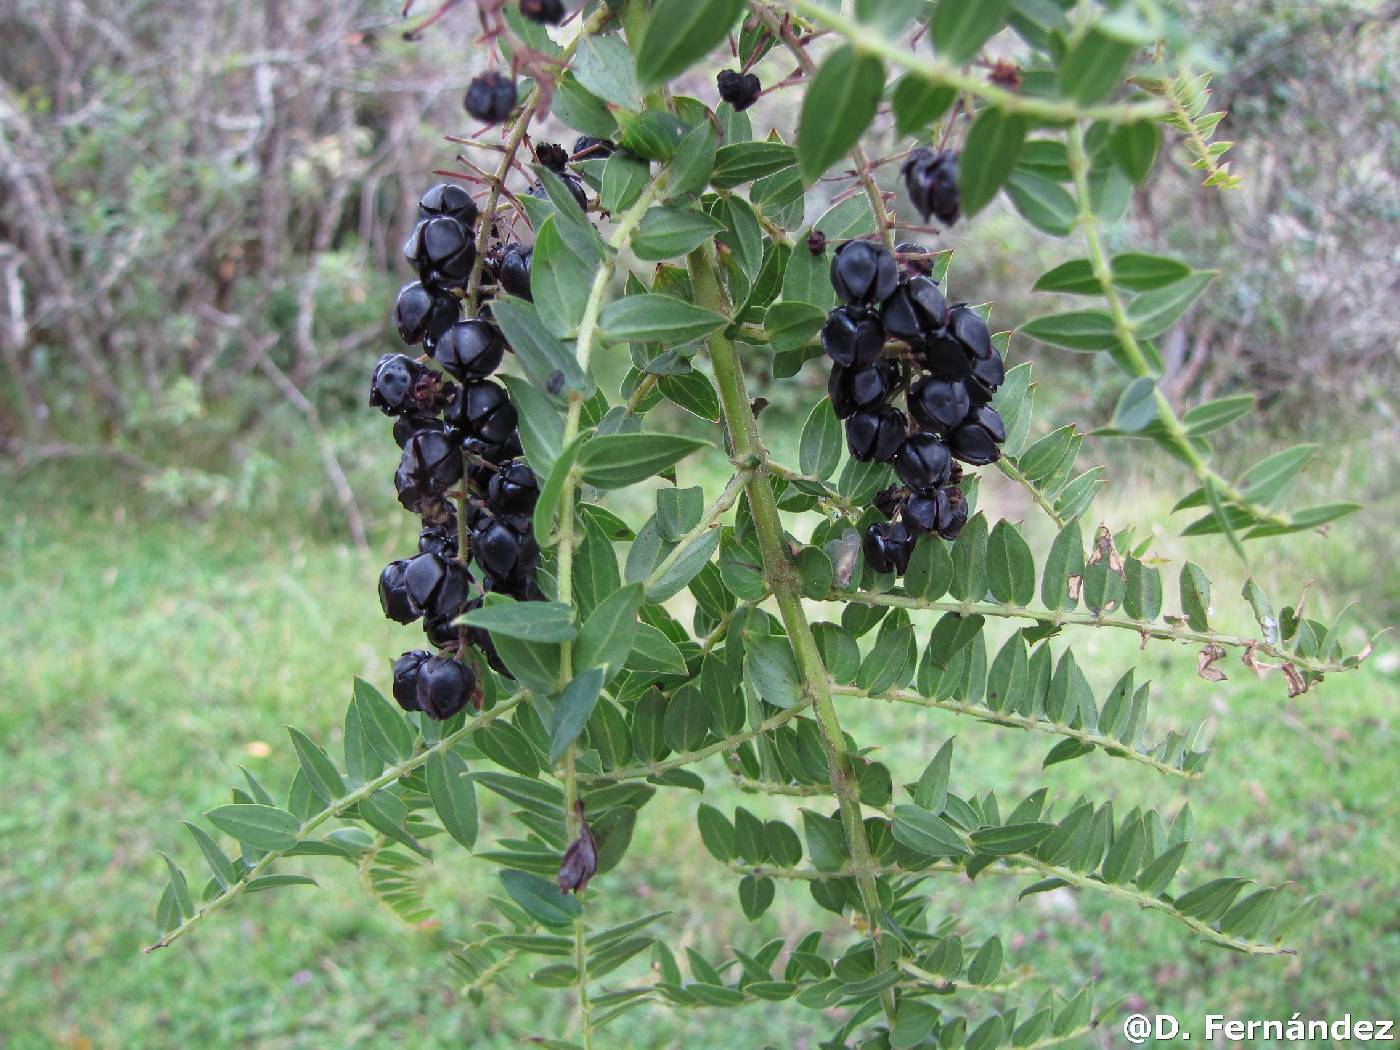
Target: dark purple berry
x,y
875,435
521,588
939,404
445,686
513,490
931,179
491,98
915,310
887,547
580,861
971,331
975,441
393,593
550,12
448,198
439,539
868,386
408,425
422,316
572,182
511,266
740,90
863,274
923,462
918,260
392,384
443,250
505,547
406,669
923,511
888,501
482,410
986,376
952,518
436,586
431,462
852,339
470,350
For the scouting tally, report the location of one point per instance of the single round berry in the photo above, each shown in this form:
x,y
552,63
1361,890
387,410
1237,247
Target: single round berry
x,y
422,316
505,547
931,179
445,686
939,404
437,587
521,588
916,259
439,539
975,441
513,489
393,593
887,546
550,12
922,512
392,384
470,350
867,386
406,669
443,251
875,435
987,376
923,462
408,425
915,310
589,147
448,198
971,331
482,410
431,462
852,338
511,267
953,517
740,90
863,273
491,98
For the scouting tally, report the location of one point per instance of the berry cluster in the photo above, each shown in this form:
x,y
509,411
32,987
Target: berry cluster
x,y
948,371
461,470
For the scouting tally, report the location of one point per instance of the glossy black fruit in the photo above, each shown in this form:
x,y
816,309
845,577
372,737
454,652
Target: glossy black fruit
x,y
406,669
931,179
513,489
875,435
922,512
987,376
511,266
915,310
852,338
923,462
915,259
863,274
391,385
437,587
550,12
975,441
448,198
482,410
953,517
431,462
867,386
968,328
445,686
888,501
443,251
505,547
939,404
740,90
422,316
411,423
887,546
491,98
470,350
393,593
521,588
439,539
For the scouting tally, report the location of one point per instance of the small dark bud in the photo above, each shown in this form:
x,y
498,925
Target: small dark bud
x,y
451,199
422,316
939,404
511,267
587,147
867,386
975,441
887,547
915,258
816,242
513,489
740,90
923,462
393,593
580,861
482,410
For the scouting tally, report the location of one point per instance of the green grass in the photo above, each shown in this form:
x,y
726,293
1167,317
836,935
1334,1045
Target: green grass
x,y
144,659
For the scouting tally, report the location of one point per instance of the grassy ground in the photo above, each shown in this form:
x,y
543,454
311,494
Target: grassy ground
x,y
142,660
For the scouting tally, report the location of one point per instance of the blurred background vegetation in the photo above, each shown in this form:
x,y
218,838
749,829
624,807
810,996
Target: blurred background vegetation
x,y
201,206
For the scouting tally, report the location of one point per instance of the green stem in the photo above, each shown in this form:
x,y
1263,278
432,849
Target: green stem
x,y
781,576
335,808
1007,467
939,71
1061,618
581,965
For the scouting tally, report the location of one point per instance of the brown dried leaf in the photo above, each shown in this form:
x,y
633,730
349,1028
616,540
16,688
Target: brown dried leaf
x,y
1251,660
1297,684
1205,661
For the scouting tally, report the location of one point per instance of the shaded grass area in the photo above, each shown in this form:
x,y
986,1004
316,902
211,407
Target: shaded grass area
x,y
144,659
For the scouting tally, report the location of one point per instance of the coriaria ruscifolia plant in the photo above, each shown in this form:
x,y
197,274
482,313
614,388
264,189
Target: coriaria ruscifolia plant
x,y
577,663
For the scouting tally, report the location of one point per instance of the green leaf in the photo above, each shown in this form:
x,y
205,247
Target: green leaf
x,y
1066,559
382,724
540,352
1094,67
693,162
624,178
826,841
1142,590
541,899
604,65
819,452
1211,416
224,872
791,325
931,792
560,281
840,102
992,146
688,564
914,1022
969,555
274,882
743,162
528,621
959,28
614,461
316,764
1155,877
687,721
573,709
771,667
1143,273
930,570
693,392
756,895
717,833
680,33
890,663
666,233
453,796
1134,148
541,426
550,491
918,102
653,652
580,109
1152,313
1076,330
262,827
653,134
925,833
1137,406
1010,566
1195,596
1075,277
1042,203
535,664
986,964
652,318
